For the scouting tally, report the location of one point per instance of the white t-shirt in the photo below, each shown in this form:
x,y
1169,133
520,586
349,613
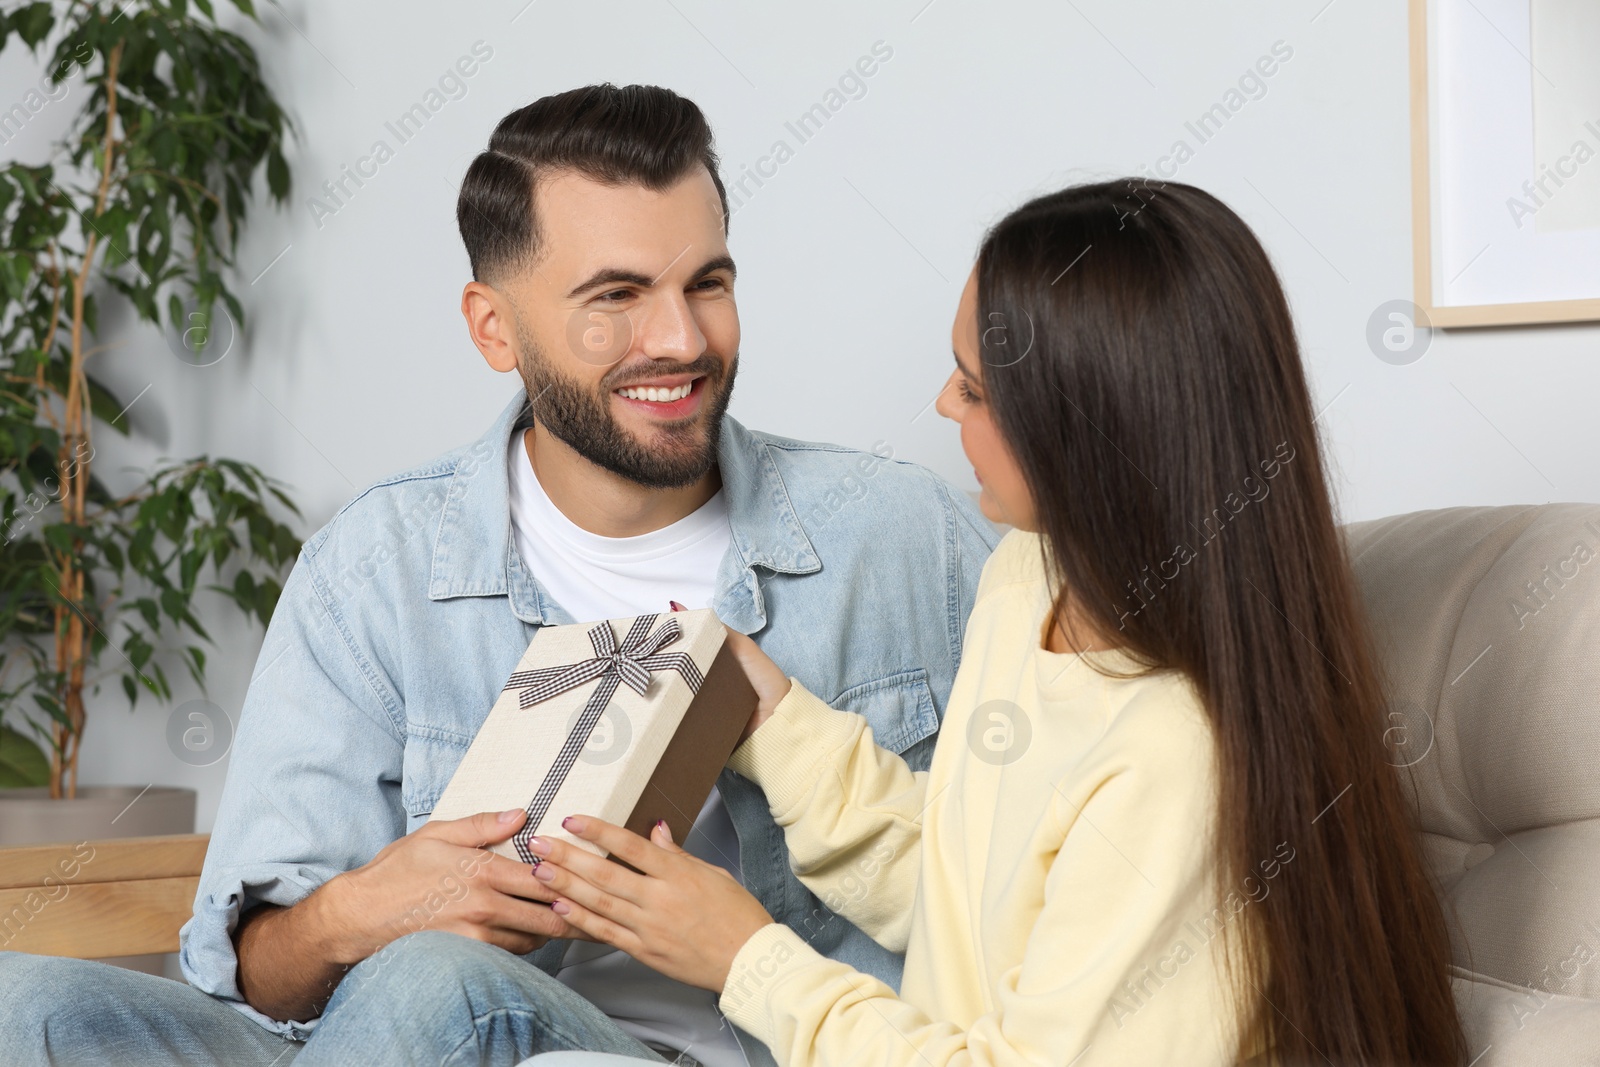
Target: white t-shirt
x,y
596,577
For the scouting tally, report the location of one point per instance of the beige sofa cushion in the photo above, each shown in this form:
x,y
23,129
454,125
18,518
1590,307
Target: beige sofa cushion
x,y
1487,622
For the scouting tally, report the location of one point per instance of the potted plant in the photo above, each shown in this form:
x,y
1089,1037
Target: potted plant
x,y
144,196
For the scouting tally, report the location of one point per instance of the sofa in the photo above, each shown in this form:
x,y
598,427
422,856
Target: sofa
x,y
1487,622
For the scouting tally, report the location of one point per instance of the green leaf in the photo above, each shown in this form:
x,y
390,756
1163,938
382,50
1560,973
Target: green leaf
x,y
267,599
22,762
25,179
277,175
59,537
106,407
33,23
53,708
197,664
188,566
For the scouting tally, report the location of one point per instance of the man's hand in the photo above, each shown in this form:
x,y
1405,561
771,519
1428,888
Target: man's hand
x,y
442,878
437,878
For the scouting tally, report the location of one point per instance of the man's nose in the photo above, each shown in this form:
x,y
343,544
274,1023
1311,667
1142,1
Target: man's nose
x,y
669,329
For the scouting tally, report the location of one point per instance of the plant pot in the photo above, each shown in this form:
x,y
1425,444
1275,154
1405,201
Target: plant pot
x,y
28,816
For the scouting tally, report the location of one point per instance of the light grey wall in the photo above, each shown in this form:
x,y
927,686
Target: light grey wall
x,y
851,255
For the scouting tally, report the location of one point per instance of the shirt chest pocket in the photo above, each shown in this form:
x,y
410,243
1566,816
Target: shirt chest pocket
x,y
430,760
898,707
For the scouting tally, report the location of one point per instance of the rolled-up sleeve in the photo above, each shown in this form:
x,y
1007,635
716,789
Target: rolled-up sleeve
x,y
313,784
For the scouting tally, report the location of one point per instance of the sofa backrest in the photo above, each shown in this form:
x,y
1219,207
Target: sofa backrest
x,y
1487,623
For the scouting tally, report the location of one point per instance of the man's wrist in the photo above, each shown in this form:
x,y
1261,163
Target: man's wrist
x,y
329,925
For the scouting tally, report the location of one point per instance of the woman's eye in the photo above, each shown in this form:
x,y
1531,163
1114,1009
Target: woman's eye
x,y
966,392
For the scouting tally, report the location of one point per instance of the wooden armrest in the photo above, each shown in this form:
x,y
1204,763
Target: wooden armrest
x,y
116,897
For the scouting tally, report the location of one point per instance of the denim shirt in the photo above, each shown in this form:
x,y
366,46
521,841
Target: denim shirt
x,y
403,616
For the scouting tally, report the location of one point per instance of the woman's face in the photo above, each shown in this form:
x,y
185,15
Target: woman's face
x,y
1004,497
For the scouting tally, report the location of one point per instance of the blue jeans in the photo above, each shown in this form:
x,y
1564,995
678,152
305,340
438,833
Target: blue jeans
x,y
431,998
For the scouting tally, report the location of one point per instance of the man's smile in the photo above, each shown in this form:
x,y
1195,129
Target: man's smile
x,y
669,398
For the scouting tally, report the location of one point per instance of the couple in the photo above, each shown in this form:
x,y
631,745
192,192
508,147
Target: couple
x,y
1147,821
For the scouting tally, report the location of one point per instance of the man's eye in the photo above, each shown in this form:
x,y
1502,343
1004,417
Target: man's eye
x,y
615,296
709,283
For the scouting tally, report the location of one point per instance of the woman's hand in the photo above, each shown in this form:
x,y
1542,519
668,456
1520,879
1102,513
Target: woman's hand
x,y
682,916
770,683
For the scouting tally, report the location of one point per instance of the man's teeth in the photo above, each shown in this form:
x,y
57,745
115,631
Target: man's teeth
x,y
660,396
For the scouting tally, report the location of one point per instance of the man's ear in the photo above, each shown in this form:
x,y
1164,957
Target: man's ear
x,y
491,323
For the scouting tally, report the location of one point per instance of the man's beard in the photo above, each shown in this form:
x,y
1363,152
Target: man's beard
x,y
580,416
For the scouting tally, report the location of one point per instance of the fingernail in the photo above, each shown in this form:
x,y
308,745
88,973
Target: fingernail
x,y
510,814
661,824
560,907
543,872
677,606
538,846
573,824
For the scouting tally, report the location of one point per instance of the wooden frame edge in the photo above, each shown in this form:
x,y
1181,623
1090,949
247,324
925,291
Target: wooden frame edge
x,y
1421,174
1545,312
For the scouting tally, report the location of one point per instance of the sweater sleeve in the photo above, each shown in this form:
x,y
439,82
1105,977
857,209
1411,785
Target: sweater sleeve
x,y
851,811
1112,971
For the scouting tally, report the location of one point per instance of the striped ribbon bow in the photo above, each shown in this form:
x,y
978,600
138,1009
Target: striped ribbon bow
x,y
630,663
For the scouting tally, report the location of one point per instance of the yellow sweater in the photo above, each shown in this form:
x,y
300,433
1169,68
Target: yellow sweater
x,y
1048,878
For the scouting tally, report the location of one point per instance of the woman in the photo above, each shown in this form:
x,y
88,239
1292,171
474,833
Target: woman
x,y
1158,826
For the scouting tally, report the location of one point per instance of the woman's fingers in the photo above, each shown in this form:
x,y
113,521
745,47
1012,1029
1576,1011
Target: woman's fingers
x,y
597,870
624,844
661,837
596,927
522,902
766,677
578,889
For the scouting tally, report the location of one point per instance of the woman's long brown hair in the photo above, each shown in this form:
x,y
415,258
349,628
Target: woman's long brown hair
x,y
1142,366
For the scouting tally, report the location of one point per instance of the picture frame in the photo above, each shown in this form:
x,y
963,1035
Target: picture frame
x,y
1481,255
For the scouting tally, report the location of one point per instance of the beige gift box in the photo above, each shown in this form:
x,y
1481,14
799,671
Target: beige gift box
x,y
629,720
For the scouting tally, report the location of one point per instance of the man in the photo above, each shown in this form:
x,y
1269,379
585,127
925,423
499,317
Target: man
x,y
331,911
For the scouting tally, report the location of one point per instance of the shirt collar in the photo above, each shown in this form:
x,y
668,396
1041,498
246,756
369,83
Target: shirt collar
x,y
474,553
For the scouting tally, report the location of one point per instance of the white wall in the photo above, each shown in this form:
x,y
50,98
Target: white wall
x,y
356,362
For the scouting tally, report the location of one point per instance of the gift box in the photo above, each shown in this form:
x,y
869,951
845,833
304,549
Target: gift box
x,y
629,720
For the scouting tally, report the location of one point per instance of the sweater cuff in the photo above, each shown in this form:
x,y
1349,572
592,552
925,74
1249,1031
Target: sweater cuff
x,y
786,753
773,953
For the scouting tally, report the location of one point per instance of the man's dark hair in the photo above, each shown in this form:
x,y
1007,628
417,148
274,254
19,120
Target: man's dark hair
x,y
639,134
